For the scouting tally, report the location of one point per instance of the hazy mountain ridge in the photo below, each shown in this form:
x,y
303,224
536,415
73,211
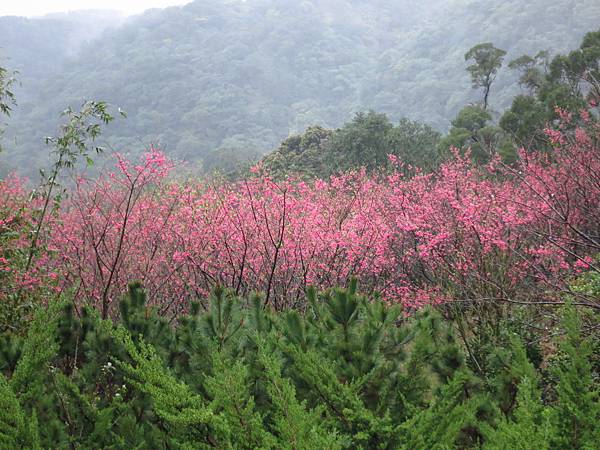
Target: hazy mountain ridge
x,y
213,80
38,47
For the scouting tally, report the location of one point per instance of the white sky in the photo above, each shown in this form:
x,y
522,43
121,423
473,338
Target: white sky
x,y
41,7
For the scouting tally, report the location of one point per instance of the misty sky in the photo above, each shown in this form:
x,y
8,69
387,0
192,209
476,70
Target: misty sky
x,y
41,7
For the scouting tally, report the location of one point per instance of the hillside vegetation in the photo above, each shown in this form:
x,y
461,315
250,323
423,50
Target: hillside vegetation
x,y
215,81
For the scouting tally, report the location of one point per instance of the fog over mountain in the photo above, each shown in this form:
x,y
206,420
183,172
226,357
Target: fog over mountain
x,y
220,80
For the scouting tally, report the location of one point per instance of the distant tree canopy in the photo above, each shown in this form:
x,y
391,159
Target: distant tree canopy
x,y
472,129
530,69
487,61
569,82
366,141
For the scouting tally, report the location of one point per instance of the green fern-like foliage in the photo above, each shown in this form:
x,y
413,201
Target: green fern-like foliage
x,y
526,423
295,425
531,426
184,413
16,429
347,372
578,407
453,420
229,388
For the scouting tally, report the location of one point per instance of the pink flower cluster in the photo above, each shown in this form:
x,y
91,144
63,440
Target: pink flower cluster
x,y
17,220
463,232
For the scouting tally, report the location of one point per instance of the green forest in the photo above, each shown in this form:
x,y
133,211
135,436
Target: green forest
x,y
219,83
268,224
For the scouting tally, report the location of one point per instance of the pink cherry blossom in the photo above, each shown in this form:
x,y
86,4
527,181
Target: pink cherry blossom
x,y
465,232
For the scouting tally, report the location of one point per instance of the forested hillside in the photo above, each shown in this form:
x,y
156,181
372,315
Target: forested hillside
x,y
39,47
221,81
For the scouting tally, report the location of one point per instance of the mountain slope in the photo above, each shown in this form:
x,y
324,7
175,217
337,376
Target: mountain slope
x,y
217,78
39,47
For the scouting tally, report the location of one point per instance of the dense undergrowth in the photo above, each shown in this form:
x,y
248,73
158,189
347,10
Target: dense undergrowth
x,y
348,372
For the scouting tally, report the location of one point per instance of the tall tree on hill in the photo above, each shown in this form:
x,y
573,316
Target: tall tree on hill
x,y
532,70
568,81
487,60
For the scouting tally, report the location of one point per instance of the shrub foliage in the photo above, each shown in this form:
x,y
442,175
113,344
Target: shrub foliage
x,y
348,372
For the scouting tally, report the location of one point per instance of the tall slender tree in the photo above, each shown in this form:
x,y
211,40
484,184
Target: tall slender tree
x,y
487,60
